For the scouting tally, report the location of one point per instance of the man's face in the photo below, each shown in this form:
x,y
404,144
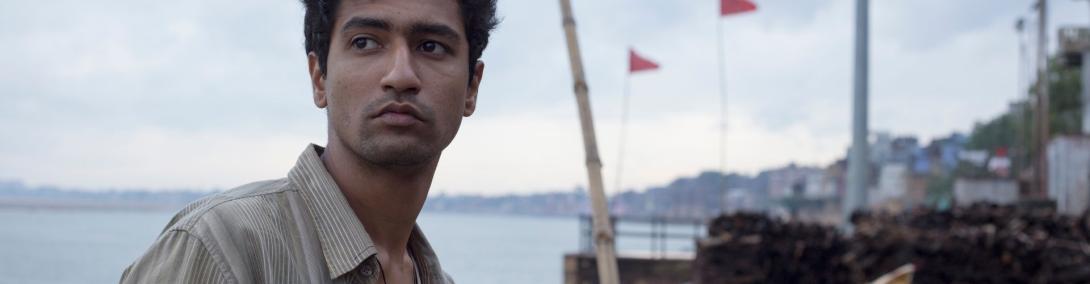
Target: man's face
x,y
397,84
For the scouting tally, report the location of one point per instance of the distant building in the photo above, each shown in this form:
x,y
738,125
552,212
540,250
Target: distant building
x,y
881,148
836,177
742,200
804,193
892,186
783,182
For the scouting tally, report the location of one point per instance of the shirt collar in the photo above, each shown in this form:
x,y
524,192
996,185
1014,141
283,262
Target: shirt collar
x,y
426,260
345,243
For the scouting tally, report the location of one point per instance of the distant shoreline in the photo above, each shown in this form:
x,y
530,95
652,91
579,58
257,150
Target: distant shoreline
x,y
70,204
36,203
53,204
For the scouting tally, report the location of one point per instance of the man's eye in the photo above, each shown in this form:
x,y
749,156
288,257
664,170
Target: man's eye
x,y
433,47
364,43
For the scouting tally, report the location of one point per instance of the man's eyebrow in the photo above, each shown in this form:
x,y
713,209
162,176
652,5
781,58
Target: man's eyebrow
x,y
357,22
435,29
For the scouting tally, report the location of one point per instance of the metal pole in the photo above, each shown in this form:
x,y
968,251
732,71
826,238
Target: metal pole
x,y
1022,152
856,197
1086,92
603,231
722,117
1042,112
617,187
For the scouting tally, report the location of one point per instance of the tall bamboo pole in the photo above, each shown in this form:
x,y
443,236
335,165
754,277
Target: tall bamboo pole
x,y
603,231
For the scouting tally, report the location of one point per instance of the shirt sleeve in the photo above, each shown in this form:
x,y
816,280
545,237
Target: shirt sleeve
x,y
178,257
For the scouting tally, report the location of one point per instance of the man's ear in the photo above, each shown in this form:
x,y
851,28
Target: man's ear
x,y
317,80
474,85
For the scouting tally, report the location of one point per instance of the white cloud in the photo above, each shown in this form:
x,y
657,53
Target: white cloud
x,y
543,150
214,94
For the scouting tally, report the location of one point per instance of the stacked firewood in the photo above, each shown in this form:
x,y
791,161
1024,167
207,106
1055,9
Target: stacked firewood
x,y
977,244
752,248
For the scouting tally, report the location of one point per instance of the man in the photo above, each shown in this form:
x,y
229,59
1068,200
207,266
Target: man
x,y
395,77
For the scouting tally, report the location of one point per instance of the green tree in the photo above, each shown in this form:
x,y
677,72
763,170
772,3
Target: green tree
x,y
1014,130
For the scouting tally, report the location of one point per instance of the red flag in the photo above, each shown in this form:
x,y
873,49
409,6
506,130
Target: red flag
x,y
728,7
637,63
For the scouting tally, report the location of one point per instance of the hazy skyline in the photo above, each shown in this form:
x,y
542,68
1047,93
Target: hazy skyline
x,y
213,94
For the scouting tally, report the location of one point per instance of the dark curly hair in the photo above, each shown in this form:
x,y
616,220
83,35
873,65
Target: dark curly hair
x,y
478,16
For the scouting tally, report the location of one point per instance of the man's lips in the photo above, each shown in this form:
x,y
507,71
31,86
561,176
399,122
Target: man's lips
x,y
397,114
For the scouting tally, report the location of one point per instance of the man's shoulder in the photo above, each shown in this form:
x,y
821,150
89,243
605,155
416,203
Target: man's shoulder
x,y
251,200
209,238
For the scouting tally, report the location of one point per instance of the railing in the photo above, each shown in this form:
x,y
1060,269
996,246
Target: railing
x,y
659,234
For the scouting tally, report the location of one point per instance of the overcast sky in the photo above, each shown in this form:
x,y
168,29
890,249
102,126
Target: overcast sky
x,y
208,94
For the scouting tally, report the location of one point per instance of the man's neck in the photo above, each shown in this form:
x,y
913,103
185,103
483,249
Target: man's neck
x,y
386,201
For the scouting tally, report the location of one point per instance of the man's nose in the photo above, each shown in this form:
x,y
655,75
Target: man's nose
x,y
401,77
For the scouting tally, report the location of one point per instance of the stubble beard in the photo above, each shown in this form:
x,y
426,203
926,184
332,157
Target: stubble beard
x,y
383,150
399,151
393,154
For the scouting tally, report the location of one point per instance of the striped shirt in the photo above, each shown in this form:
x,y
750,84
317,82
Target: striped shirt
x,y
297,229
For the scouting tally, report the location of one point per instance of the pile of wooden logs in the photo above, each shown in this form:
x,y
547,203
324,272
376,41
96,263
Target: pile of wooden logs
x,y
976,244
751,248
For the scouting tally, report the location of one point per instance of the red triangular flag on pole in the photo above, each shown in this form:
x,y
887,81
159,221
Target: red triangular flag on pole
x,y
637,63
728,7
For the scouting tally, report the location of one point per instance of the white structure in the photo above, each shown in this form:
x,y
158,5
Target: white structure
x,y
1069,174
998,191
892,184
